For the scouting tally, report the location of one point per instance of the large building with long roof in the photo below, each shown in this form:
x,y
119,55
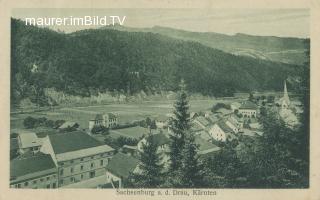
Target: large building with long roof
x,y
37,171
78,156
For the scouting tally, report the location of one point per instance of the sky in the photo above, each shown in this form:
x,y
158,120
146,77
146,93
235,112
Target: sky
x,y
264,22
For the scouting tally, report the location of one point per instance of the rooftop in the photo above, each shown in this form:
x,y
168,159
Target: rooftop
x,y
136,132
204,145
27,140
195,127
160,139
224,127
202,120
122,165
213,118
68,124
30,165
72,141
248,105
101,115
224,111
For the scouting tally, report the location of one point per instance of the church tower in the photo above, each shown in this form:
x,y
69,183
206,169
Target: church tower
x,y
285,101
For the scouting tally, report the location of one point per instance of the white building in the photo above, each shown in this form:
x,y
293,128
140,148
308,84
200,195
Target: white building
x,y
248,109
108,120
220,131
28,142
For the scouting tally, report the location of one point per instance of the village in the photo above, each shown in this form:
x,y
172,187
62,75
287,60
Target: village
x,y
106,152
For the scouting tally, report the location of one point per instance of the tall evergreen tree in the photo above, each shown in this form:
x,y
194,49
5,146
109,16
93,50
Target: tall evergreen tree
x,y
190,173
179,125
151,167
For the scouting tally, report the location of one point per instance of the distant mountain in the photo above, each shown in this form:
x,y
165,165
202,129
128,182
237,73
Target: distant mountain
x,y
279,49
84,62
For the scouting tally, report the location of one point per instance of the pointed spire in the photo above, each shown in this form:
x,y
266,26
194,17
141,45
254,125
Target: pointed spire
x,y
285,93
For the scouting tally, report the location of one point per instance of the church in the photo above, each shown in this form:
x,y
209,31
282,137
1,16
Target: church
x,y
286,109
284,102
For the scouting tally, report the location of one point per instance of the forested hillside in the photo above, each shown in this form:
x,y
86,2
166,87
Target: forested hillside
x,y
279,49
84,62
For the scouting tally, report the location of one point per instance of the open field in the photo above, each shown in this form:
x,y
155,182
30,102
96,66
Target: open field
x,y
127,112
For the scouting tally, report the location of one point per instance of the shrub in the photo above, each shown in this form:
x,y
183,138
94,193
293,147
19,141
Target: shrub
x,y
29,122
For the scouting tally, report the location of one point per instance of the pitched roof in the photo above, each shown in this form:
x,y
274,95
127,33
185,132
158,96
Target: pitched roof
x,y
202,120
28,140
68,124
122,165
213,118
204,145
204,135
99,117
160,139
195,127
248,105
111,115
236,118
224,126
72,141
224,111
30,165
129,147
131,132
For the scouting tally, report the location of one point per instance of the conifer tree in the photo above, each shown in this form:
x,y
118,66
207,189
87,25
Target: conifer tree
x,y
190,173
179,125
151,168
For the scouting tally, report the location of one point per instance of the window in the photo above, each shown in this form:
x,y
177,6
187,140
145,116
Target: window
x,y
81,167
72,179
92,157
34,182
41,179
61,182
19,185
92,174
48,186
71,161
81,176
92,164
71,169
81,159
26,183
48,178
61,172
101,162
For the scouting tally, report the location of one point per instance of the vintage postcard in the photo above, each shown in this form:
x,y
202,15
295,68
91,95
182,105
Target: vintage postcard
x,y
160,100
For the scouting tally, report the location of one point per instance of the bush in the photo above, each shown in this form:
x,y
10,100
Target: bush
x,y
120,141
218,106
50,123
100,130
29,122
13,135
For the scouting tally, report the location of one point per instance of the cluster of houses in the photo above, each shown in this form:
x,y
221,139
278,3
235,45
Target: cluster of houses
x,y
77,159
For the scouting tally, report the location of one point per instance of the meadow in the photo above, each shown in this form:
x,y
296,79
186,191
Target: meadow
x,y
127,113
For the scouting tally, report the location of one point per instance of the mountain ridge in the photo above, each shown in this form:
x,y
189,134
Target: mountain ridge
x,y
273,48
87,61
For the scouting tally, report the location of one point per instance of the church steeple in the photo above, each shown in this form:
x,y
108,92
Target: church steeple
x,y
285,93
